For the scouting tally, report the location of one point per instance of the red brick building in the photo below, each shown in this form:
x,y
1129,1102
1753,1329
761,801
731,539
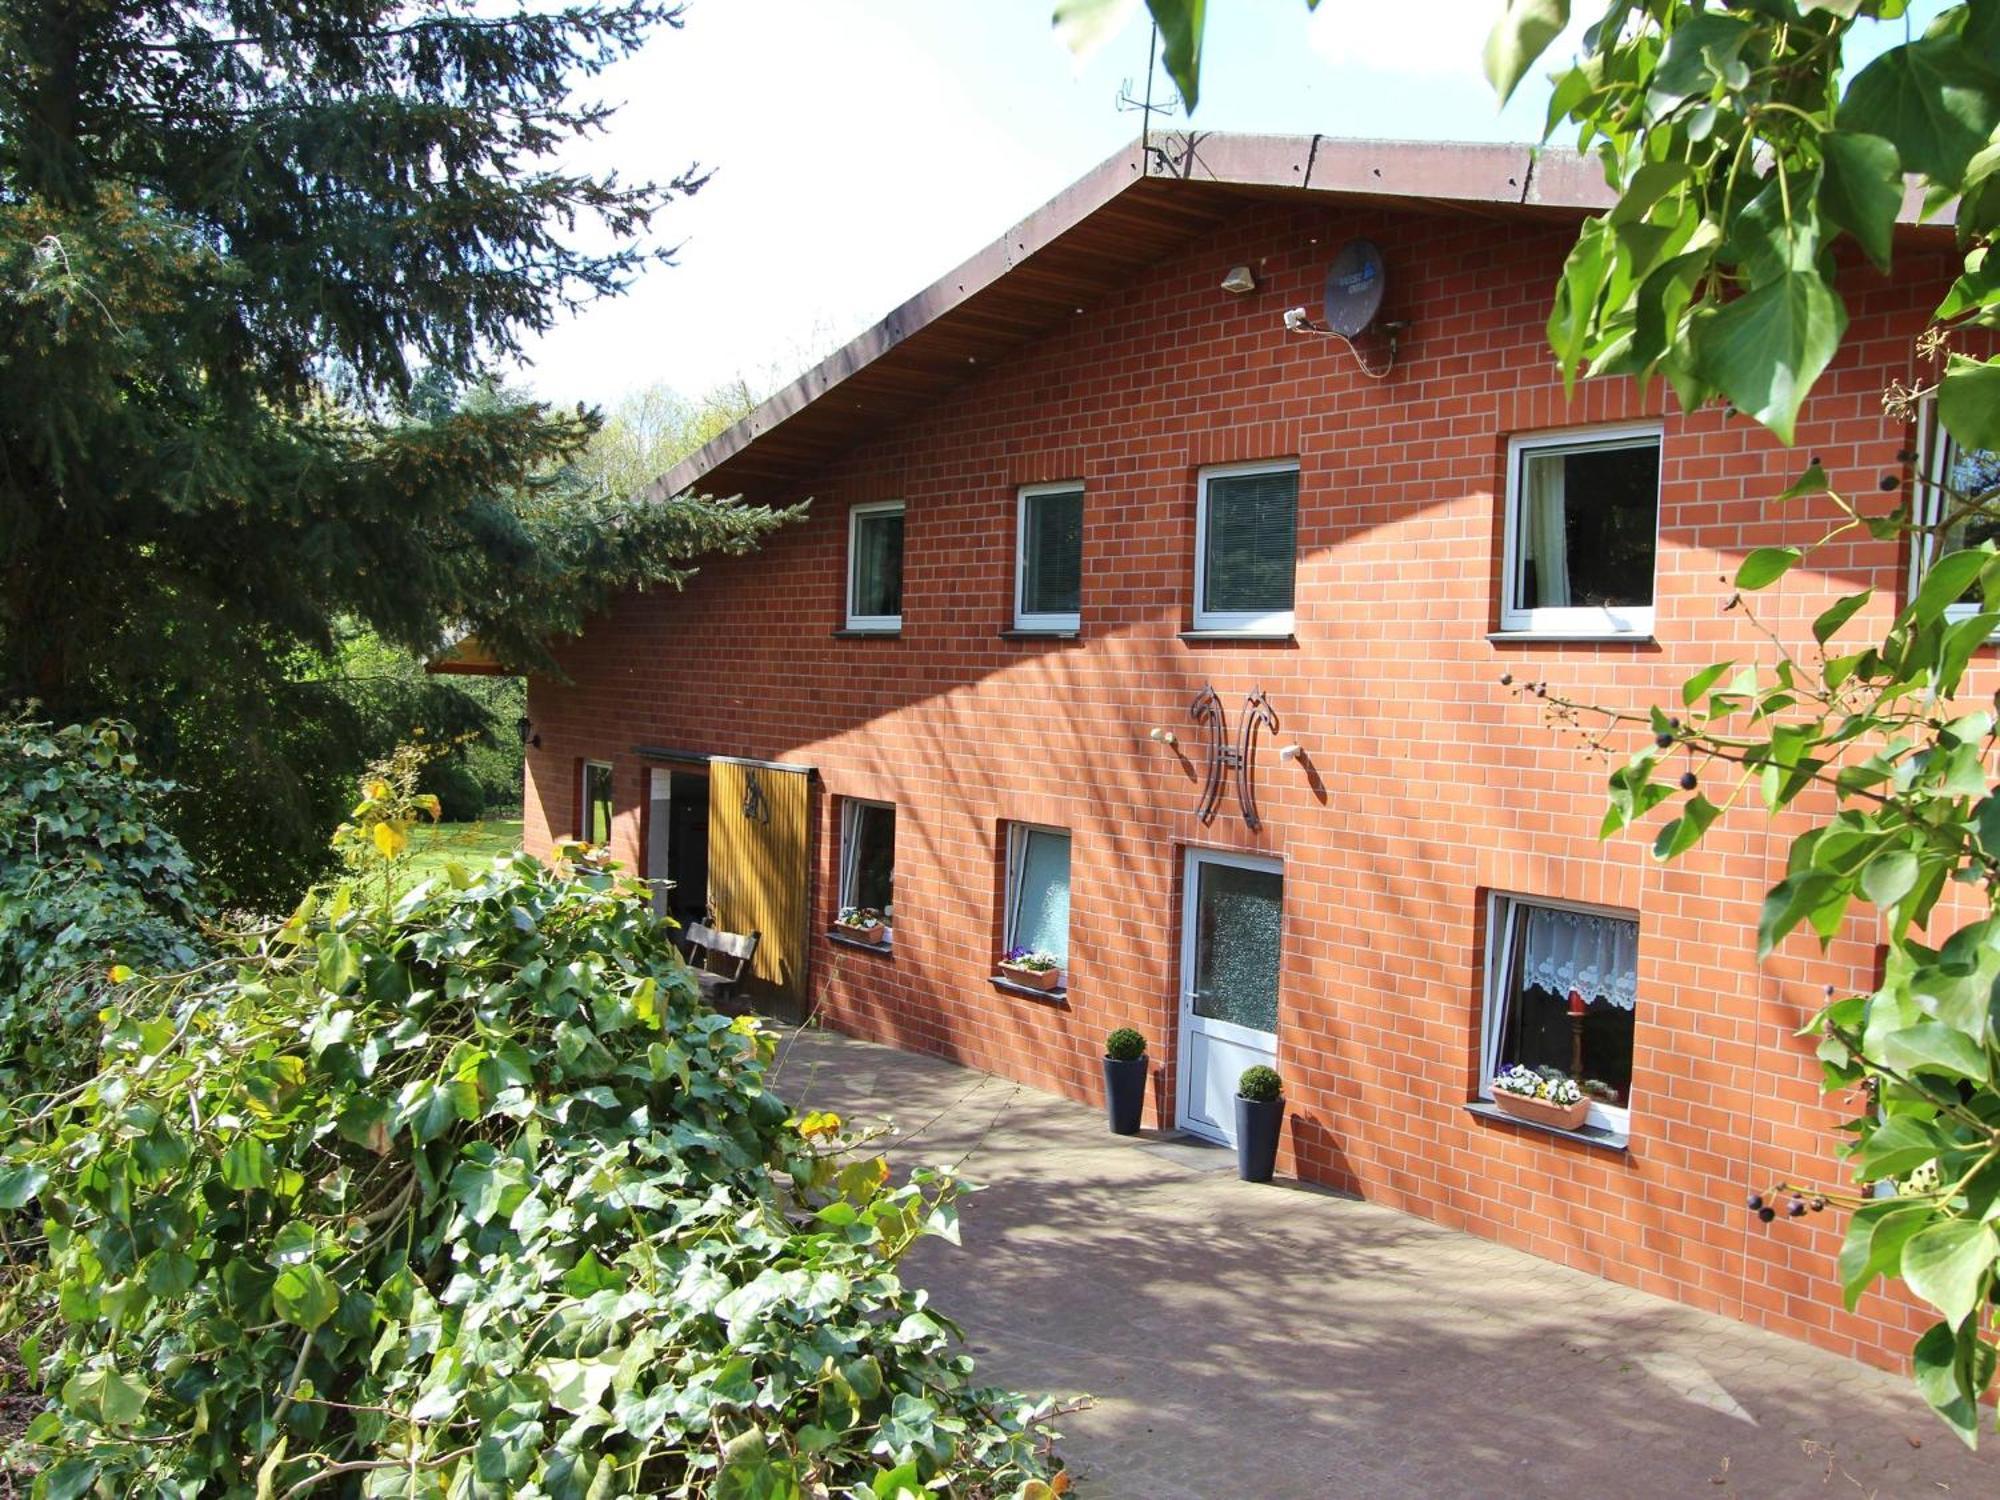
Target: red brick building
x,y
1091,476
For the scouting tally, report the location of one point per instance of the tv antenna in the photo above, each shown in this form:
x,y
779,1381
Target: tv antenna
x,y
1128,102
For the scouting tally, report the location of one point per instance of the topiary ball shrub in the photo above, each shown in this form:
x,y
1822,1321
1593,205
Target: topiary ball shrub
x,y
1260,1085
460,1190
1124,1045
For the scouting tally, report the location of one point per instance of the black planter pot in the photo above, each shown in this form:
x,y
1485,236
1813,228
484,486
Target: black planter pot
x,y
1124,1093
1257,1122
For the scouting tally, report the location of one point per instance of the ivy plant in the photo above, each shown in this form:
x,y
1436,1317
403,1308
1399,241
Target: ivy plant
x,y
460,1191
91,884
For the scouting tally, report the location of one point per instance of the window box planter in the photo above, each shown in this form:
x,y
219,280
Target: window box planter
x,y
1034,979
1541,1112
1541,1097
861,925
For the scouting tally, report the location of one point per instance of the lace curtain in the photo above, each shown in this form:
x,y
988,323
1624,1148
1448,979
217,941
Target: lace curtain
x,y
1573,950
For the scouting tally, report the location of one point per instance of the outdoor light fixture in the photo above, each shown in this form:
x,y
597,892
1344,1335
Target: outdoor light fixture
x,y
528,735
1240,279
1164,737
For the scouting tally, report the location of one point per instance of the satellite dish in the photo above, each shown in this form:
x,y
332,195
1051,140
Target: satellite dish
x,y
1354,285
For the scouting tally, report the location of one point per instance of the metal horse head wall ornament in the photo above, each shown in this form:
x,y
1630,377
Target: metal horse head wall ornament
x,y
1224,757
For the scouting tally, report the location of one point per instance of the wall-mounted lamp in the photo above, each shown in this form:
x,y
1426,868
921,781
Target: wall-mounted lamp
x,y
1291,752
1164,737
1241,279
529,738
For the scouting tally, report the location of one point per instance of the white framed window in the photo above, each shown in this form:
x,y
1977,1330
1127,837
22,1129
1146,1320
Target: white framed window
x,y
868,858
1246,547
596,803
1048,557
875,566
1582,532
1946,476
1038,890
1562,992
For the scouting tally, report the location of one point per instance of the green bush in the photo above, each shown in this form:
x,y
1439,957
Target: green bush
x,y
1124,1044
1260,1085
89,880
461,798
462,1192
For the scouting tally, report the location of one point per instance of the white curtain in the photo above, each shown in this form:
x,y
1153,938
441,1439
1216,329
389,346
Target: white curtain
x,y
1545,532
1573,950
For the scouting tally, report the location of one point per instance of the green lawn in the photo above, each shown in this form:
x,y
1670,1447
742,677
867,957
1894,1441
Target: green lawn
x,y
434,845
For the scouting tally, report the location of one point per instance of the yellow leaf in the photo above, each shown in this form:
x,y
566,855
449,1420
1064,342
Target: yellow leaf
x,y
390,840
120,973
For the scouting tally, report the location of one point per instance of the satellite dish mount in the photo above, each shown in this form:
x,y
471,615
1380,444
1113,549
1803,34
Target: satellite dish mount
x,y
1352,300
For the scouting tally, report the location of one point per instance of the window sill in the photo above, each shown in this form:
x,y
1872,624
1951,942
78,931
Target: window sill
x,y
1589,1135
1030,633
885,948
1058,996
863,633
1599,637
1276,637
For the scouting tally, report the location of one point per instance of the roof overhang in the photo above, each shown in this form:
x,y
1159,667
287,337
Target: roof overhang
x,y
1091,239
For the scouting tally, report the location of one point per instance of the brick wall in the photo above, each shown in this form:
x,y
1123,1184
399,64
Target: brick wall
x,y
1425,783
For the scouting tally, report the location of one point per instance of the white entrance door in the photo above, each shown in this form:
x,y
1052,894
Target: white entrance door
x,y
1230,925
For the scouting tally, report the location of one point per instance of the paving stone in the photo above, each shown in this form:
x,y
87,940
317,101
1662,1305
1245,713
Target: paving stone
x,y
1277,1342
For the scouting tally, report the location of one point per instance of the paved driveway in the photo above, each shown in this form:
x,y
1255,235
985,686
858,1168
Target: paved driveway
x,y
1267,1343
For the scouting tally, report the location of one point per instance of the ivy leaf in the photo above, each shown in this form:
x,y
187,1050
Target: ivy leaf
x,y
1933,1047
1951,1369
246,1164
1861,189
1837,614
1969,402
19,1184
1180,23
1702,681
1522,34
1684,832
1765,349
1875,1239
1889,877
1947,1266
304,1296
1766,566
1930,101
1946,582
107,1396
1086,25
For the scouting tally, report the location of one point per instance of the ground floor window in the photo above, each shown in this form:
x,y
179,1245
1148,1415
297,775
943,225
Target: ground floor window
x,y
1038,891
868,858
597,803
1562,994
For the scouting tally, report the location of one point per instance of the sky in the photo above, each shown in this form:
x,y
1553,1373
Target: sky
x,y
863,148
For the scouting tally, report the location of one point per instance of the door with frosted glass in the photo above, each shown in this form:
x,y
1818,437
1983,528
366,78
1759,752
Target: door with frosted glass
x,y
1230,925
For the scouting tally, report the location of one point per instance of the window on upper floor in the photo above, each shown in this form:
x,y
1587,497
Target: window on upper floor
x,y
596,803
1246,548
868,859
1562,994
1583,513
1948,476
1038,891
1048,567
875,566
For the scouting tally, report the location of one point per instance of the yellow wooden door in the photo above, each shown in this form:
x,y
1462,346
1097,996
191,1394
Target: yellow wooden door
x,y
759,866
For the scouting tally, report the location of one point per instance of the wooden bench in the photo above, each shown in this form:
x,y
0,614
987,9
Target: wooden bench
x,y
719,960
